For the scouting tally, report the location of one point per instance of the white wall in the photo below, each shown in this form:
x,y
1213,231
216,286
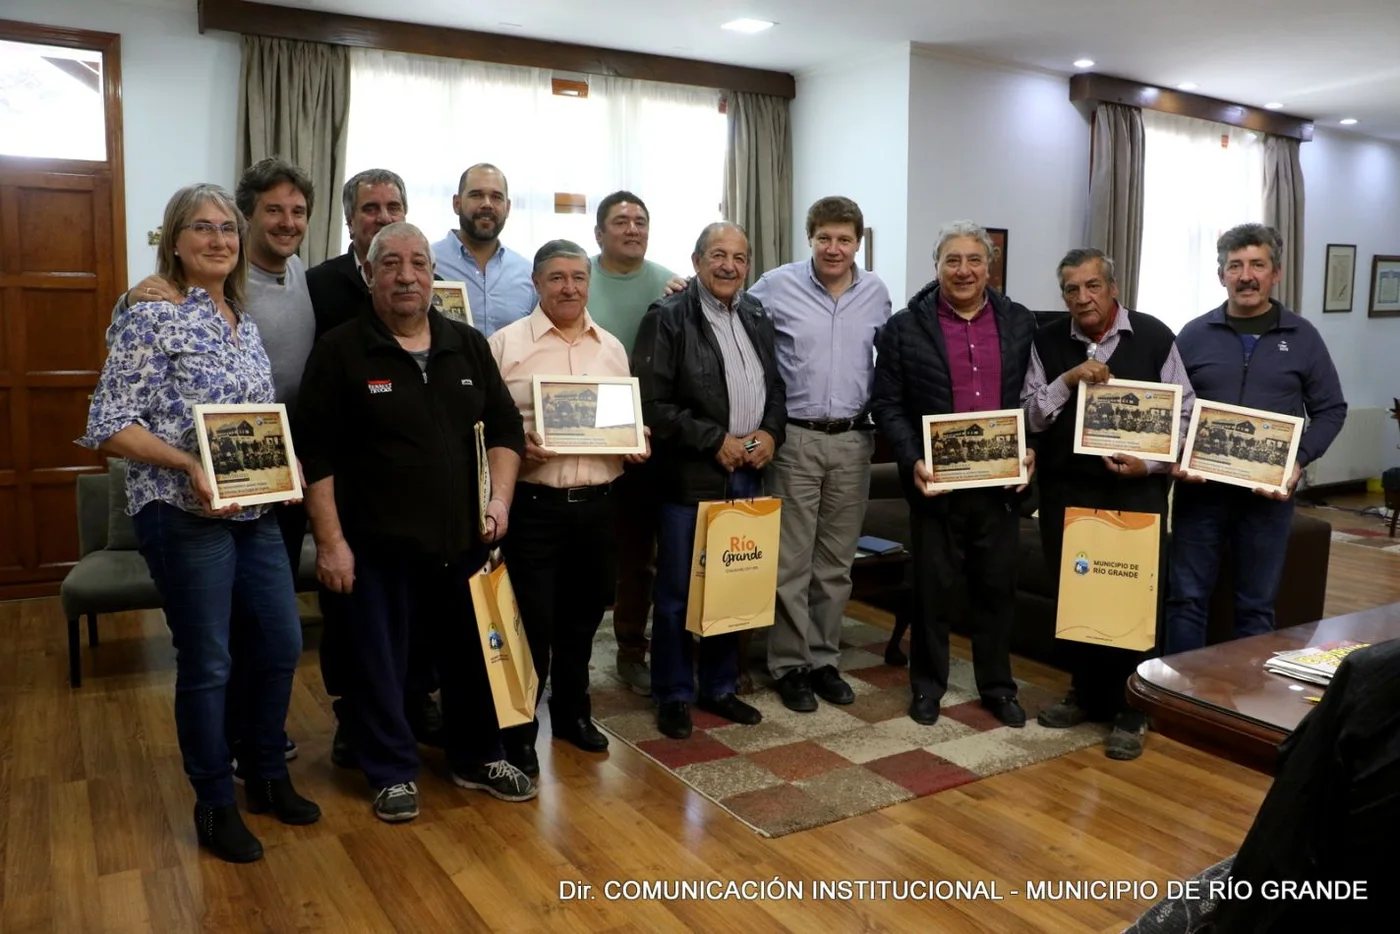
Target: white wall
x,y
1004,148
850,132
179,101
1352,186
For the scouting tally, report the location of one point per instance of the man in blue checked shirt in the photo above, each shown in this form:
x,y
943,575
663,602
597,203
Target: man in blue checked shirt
x,y
826,314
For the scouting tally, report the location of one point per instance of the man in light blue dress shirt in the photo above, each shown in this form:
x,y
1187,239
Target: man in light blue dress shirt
x,y
498,279
827,314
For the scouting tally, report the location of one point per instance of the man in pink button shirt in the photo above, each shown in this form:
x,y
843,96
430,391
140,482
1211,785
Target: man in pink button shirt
x,y
560,549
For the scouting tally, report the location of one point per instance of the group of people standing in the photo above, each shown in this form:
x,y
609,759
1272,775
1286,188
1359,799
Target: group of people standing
x,y
775,388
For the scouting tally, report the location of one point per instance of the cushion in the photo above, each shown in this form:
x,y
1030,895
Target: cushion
x,y
121,532
109,582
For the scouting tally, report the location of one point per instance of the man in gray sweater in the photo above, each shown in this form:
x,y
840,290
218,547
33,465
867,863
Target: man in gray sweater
x,y
276,197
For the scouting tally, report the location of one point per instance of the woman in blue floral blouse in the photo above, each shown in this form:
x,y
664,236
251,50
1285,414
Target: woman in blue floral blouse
x,y
163,359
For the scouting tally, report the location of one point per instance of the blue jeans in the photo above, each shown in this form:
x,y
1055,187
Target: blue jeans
x,y
1205,518
672,647
201,566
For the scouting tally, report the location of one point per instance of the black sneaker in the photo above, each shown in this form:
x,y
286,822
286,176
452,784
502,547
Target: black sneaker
x,y
525,759
397,803
673,719
730,707
342,753
498,779
795,690
1007,710
221,831
1125,742
831,687
1062,716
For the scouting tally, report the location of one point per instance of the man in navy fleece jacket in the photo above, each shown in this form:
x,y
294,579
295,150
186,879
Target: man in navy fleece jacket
x,y
1250,351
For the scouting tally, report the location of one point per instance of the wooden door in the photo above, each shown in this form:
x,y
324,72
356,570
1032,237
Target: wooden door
x,y
62,266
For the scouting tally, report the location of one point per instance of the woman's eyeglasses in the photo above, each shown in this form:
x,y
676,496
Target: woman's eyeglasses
x,y
206,229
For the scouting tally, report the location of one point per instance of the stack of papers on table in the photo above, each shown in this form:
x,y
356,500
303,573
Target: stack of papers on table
x,y
1315,664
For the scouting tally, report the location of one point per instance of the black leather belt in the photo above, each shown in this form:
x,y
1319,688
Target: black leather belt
x,y
833,426
554,494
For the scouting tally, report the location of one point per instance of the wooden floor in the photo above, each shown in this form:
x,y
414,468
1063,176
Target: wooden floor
x,y
96,835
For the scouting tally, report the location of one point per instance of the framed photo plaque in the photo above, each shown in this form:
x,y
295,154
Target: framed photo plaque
x,y
1244,447
247,453
450,298
589,414
1124,416
975,449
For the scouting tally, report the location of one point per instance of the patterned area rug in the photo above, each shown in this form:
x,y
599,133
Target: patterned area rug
x,y
797,771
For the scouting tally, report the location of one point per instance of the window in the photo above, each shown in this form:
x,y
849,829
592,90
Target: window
x,y
1199,180
429,118
51,102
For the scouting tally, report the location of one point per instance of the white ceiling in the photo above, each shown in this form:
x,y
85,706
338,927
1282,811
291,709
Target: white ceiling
x,y
1324,59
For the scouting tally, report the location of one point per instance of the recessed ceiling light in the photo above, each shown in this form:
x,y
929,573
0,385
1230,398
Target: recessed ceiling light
x,y
1273,105
747,25
1084,63
1187,86
1349,121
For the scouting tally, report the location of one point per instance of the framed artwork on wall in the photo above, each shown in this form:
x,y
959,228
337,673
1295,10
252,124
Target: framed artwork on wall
x,y
1385,287
1339,278
997,277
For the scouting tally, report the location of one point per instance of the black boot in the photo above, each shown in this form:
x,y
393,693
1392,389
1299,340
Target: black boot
x,y
221,832
278,796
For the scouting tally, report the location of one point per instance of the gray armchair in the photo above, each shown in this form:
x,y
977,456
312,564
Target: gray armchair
x,y
111,576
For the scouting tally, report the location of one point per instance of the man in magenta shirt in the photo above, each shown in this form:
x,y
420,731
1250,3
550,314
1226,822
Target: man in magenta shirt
x,y
958,347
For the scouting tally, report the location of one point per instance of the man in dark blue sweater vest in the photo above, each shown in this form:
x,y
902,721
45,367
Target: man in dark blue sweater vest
x,y
1100,340
1250,351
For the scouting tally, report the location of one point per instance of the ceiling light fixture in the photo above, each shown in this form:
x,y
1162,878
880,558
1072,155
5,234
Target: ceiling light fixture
x,y
1084,63
1187,86
1349,121
1273,105
748,26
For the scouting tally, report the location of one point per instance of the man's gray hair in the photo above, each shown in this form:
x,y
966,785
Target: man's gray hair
x,y
713,230
954,229
557,248
398,231
1245,235
351,191
1078,257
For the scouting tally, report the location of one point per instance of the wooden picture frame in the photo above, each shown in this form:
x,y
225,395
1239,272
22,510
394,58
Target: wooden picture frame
x,y
1385,287
247,453
450,299
996,275
1100,426
867,237
1339,278
565,405
1216,430
956,468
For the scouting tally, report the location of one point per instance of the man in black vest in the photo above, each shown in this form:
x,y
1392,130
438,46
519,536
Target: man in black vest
x,y
959,347
1100,339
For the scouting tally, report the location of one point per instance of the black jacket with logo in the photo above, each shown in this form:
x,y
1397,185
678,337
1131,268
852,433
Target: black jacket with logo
x,y
685,400
400,442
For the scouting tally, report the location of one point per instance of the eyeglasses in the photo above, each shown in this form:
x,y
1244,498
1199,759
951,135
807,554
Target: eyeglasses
x,y
206,229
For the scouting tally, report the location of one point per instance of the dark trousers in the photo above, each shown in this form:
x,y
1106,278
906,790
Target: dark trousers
x,y
637,509
560,556
291,522
390,593
201,566
337,656
1100,673
1206,518
974,540
672,647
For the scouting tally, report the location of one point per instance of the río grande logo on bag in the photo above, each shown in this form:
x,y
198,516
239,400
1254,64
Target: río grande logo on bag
x,y
741,549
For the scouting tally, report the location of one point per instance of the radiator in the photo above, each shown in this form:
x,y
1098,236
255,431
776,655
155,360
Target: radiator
x,y
1364,447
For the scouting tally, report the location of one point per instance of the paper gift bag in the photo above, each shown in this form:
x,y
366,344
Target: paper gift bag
x,y
1108,578
509,665
734,566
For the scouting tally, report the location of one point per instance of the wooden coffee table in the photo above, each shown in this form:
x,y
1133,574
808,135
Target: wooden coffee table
x,y
1221,700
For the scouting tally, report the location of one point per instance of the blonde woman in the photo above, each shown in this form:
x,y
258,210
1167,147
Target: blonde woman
x,y
163,360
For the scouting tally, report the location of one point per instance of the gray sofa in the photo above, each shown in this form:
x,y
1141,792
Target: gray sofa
x,y
111,576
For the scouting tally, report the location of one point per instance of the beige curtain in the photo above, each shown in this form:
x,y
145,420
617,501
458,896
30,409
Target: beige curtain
x,y
1283,211
758,176
1115,193
293,102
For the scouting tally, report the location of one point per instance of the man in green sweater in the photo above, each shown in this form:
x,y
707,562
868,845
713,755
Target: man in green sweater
x,y
623,286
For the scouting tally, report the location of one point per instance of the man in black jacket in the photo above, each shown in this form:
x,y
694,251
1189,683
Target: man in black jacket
x,y
716,406
958,347
386,434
